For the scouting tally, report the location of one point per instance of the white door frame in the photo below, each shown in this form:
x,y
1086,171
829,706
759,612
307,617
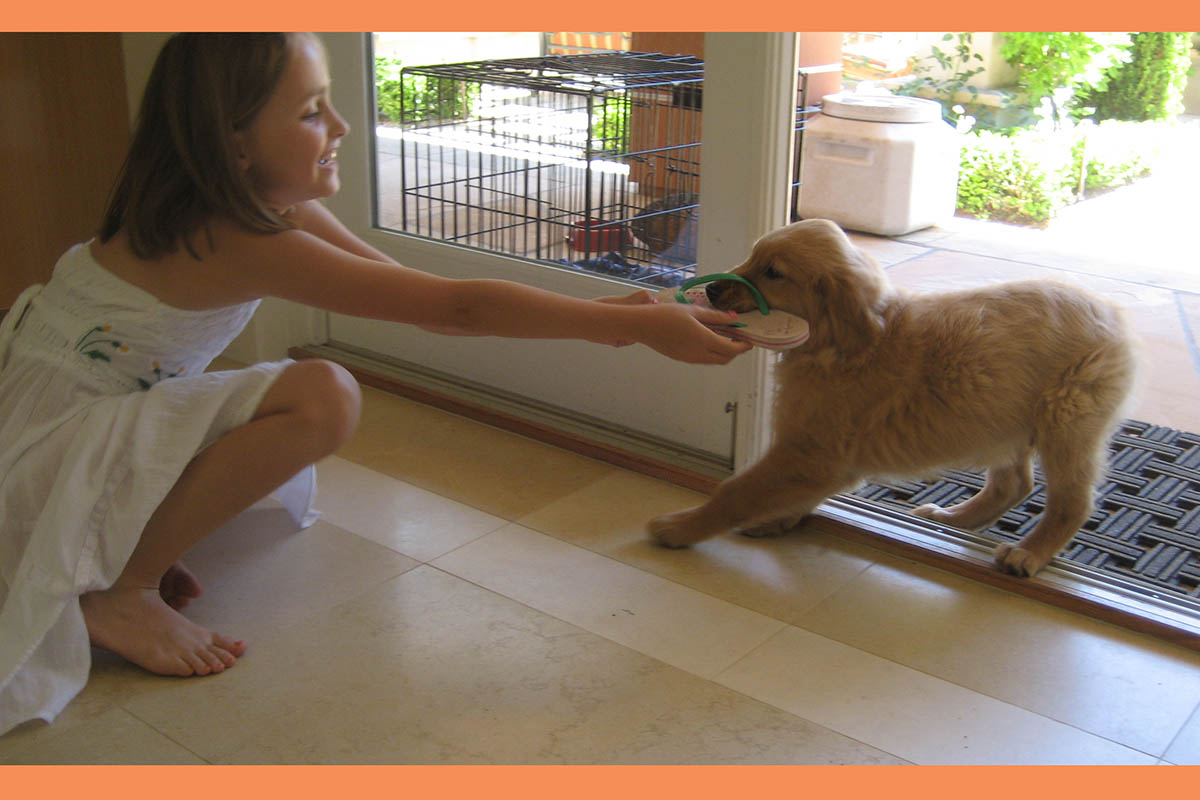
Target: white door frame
x,y
751,78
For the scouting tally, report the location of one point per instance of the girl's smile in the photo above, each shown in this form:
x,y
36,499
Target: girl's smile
x,y
290,149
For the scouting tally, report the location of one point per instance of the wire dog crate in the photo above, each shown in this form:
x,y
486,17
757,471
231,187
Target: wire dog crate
x,y
590,161
586,161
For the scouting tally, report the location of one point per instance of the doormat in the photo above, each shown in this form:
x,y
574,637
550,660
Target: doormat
x,y
1146,526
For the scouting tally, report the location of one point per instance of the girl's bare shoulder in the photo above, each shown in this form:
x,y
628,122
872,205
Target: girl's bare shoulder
x,y
183,279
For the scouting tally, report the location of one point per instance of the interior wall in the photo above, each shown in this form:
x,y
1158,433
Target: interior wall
x,y
140,50
63,134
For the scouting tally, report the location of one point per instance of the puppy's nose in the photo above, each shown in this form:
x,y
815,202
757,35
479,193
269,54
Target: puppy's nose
x,y
715,289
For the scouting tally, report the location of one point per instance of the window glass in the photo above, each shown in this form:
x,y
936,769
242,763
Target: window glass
x,y
562,148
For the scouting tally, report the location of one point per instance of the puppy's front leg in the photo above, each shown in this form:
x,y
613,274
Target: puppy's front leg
x,y
771,489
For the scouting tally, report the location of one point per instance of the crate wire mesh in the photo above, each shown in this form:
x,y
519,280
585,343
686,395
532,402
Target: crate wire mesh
x,y
584,161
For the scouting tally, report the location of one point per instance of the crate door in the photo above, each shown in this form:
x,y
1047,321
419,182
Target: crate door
x,y
633,392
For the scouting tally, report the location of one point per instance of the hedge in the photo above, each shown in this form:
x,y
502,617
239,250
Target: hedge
x,y
1026,176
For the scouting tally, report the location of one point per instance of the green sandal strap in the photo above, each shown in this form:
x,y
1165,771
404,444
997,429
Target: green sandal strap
x,y
723,276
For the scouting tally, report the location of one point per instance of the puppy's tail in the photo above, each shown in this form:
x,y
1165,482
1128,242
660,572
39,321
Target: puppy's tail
x,y
1096,389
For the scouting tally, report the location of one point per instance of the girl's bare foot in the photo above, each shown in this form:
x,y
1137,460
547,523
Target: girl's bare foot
x,y
178,586
136,623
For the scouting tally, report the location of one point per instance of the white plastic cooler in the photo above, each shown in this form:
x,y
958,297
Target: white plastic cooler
x,y
880,164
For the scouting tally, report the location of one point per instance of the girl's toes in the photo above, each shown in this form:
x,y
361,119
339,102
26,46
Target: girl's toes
x,y
235,648
220,658
181,667
212,661
196,663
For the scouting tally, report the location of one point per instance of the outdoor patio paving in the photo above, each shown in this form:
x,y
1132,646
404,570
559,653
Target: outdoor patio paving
x,y
1138,245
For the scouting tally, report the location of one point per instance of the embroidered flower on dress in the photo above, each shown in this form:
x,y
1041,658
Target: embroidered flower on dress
x,y
93,347
158,376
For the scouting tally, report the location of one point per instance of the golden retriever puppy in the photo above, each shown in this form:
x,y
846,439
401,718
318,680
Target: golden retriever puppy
x,y
892,383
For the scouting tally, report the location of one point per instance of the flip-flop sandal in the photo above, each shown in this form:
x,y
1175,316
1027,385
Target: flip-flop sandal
x,y
773,329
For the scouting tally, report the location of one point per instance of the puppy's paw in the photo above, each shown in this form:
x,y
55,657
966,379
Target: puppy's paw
x,y
1018,561
931,511
671,530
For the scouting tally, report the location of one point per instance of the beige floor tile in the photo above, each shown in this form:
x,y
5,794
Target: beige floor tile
x,y
1169,385
929,237
486,468
431,669
1186,747
1190,305
260,574
412,521
1111,253
884,250
1105,680
913,715
780,577
948,271
675,624
112,737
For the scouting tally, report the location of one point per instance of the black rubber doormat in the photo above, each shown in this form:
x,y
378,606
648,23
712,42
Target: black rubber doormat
x,y
1146,526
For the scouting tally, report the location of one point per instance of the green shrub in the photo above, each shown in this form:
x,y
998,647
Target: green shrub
x,y
419,97
1026,176
387,88
1147,87
1020,177
610,123
1052,66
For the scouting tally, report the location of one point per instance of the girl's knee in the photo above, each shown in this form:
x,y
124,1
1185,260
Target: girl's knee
x,y
339,399
327,397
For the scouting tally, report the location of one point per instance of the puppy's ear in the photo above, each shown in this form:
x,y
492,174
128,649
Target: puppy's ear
x,y
852,296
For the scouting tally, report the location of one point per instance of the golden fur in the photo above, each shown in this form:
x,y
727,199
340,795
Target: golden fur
x,y
898,384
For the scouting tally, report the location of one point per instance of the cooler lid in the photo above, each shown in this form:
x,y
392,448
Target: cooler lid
x,y
881,108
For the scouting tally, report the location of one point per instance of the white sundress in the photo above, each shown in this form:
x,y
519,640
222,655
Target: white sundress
x,y
103,402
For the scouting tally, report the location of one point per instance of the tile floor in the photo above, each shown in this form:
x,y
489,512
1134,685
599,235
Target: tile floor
x,y
471,596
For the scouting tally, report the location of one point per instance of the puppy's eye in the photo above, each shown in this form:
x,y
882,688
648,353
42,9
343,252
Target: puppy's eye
x,y
772,274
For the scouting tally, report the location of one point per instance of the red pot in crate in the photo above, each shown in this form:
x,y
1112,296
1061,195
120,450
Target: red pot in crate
x,y
597,236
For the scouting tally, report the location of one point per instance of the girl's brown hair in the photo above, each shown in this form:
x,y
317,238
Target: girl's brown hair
x,y
182,166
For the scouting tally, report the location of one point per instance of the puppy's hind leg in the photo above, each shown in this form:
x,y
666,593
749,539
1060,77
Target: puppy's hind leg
x,y
772,489
1004,487
1070,478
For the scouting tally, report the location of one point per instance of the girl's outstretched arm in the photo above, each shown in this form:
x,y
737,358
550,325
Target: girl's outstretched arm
x,y
322,271
312,216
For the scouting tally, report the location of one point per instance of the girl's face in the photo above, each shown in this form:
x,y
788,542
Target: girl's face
x,y
290,149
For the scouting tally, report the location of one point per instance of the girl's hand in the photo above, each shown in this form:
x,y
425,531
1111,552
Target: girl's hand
x,y
678,331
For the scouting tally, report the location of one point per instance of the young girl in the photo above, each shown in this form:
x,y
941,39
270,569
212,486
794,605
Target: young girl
x,y
118,453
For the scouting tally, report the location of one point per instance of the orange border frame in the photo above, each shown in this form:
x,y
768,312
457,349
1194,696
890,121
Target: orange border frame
x,y
701,15
601,783
887,783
